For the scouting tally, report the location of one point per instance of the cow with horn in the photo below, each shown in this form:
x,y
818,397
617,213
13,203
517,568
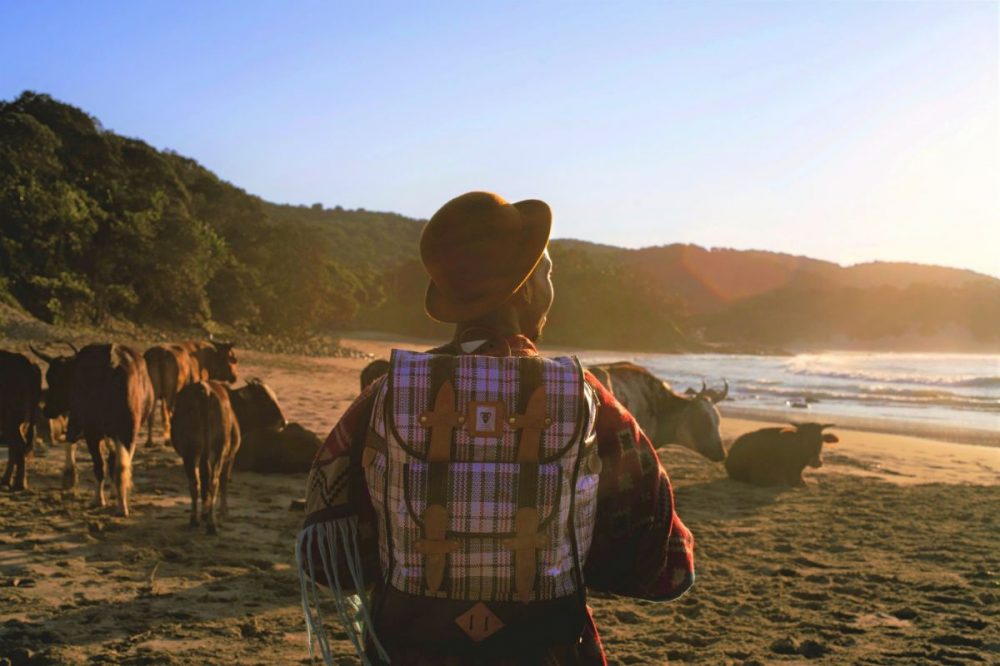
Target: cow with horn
x,y
665,416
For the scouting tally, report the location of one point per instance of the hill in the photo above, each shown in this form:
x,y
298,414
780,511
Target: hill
x,y
95,226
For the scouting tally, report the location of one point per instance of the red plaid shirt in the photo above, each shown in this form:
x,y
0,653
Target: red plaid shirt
x,y
640,546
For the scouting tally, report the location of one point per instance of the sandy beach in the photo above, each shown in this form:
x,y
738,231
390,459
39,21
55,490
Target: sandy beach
x,y
889,555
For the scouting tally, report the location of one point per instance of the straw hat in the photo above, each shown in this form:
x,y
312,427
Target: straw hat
x,y
479,250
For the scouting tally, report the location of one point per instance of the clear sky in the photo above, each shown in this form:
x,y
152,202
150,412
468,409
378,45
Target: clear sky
x,y
848,131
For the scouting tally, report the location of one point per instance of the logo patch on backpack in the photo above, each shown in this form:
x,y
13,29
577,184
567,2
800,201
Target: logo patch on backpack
x,y
485,418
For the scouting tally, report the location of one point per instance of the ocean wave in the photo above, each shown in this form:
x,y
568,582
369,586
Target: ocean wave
x,y
878,395
886,378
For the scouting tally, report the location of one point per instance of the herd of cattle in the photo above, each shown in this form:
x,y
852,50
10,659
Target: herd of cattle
x,y
104,393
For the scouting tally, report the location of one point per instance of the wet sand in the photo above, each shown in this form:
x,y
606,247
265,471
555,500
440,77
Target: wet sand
x,y
889,555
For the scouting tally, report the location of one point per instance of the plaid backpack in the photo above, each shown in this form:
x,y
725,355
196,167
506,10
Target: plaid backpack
x,y
483,473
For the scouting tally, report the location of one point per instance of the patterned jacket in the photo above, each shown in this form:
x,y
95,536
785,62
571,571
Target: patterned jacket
x,y
640,547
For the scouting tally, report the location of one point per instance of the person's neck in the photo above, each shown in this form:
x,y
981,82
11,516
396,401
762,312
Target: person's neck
x,y
500,324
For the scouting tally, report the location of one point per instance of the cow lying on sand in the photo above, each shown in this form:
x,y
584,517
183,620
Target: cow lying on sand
x,y
106,391
777,456
373,371
207,436
270,445
20,389
175,365
665,416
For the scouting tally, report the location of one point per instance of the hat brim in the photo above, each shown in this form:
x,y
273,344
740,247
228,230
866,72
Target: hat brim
x,y
531,246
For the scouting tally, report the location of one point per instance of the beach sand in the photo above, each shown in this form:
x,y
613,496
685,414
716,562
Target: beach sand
x,y
889,555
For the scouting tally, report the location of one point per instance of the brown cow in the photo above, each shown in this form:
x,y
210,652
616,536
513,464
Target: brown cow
x,y
174,366
21,382
665,416
777,456
107,392
207,436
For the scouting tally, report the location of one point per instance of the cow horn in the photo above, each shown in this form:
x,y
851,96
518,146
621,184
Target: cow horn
x,y
725,392
824,426
45,357
703,387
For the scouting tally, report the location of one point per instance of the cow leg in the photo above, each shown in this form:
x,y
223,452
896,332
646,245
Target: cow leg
x,y
194,486
168,411
70,474
123,475
227,471
21,467
149,424
97,456
10,466
209,488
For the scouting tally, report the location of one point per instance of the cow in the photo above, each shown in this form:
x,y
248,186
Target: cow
x,y
173,366
207,436
270,445
373,371
290,450
665,416
22,387
777,456
50,432
59,374
712,394
107,392
256,407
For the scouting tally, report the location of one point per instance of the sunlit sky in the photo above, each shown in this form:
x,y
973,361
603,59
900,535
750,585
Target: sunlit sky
x,y
848,131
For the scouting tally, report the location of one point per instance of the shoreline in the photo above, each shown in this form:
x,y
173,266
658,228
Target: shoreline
x,y
941,433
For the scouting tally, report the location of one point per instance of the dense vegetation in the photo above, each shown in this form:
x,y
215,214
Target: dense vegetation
x,y
96,226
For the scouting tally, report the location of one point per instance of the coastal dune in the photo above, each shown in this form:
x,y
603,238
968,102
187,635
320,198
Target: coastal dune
x,y
889,555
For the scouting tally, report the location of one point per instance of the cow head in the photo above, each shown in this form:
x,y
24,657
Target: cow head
x,y
373,371
257,407
59,377
810,437
697,421
222,362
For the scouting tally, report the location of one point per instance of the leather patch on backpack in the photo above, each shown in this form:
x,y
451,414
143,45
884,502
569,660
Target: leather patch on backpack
x,y
479,622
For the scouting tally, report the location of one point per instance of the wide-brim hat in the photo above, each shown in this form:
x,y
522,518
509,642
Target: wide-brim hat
x,y
479,250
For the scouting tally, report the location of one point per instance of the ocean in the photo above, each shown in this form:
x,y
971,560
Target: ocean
x,y
933,392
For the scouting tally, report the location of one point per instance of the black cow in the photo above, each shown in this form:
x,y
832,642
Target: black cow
x,y
55,409
49,432
107,392
21,382
207,436
373,371
777,456
269,445
256,407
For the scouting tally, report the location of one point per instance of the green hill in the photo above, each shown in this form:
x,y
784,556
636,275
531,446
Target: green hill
x,y
94,226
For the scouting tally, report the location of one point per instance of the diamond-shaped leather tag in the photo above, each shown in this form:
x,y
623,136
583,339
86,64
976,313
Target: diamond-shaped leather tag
x,y
479,622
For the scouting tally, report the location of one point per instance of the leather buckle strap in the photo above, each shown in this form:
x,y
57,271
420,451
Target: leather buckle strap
x,y
434,546
531,424
524,545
